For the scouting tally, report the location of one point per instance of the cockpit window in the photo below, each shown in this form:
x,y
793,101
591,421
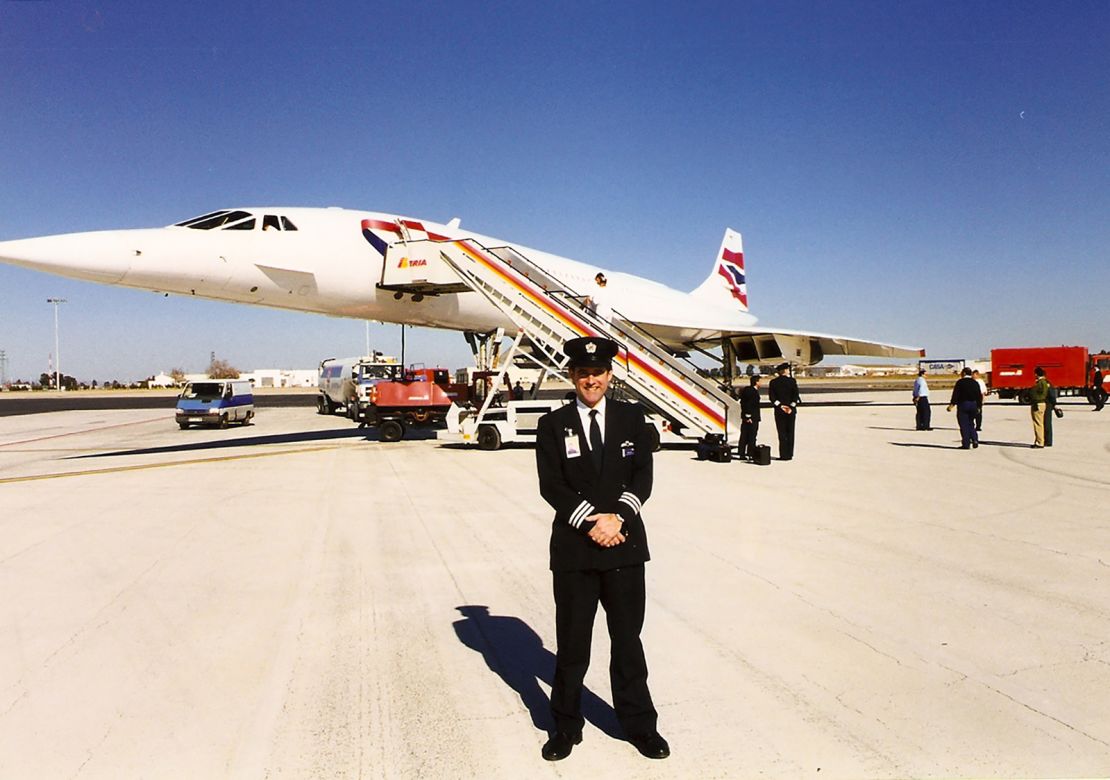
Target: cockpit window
x,y
190,222
234,220
287,224
270,222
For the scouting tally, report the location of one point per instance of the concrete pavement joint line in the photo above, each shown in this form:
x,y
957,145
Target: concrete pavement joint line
x,y
87,430
251,753
779,688
806,601
431,537
986,578
1014,459
146,466
100,619
1043,714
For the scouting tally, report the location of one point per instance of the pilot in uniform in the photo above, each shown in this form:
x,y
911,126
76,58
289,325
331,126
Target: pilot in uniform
x,y
594,459
749,417
783,393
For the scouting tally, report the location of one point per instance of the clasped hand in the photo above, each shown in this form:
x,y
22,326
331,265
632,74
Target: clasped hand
x,y
607,529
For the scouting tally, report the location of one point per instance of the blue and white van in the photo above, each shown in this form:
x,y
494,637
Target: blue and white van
x,y
215,402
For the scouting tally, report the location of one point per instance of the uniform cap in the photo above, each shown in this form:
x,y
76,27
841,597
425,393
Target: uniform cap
x,y
590,352
782,367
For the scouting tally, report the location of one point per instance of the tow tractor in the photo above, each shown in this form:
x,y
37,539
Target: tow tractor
x,y
415,397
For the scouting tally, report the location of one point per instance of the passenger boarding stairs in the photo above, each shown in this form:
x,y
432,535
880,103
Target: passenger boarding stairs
x,y
549,314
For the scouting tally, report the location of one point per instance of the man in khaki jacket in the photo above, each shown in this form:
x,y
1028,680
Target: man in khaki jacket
x,y
1038,398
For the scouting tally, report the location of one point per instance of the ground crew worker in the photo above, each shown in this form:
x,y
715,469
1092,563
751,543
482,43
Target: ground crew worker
x,y
594,459
1038,400
966,397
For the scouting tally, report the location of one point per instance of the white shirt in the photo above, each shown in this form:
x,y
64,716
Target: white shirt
x,y
584,415
602,307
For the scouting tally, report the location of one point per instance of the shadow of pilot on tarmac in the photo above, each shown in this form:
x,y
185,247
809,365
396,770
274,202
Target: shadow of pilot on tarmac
x,y
515,652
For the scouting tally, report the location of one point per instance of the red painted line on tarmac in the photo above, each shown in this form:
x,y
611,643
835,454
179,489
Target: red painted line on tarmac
x,y
162,465
89,430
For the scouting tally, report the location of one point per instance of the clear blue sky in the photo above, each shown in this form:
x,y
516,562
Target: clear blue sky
x,y
925,173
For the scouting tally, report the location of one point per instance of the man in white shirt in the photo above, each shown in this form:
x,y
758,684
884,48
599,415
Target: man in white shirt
x,y
921,401
983,393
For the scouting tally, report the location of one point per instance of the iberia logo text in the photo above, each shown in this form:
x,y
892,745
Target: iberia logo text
x,y
413,263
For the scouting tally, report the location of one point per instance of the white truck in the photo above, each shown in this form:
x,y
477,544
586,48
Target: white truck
x,y
340,378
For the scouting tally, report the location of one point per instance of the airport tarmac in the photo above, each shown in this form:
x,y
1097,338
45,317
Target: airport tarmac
x,y
295,599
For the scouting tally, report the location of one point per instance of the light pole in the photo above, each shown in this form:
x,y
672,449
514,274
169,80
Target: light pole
x,y
57,356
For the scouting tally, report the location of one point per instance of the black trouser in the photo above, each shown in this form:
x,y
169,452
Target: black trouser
x,y
621,593
749,432
979,417
785,424
965,416
924,414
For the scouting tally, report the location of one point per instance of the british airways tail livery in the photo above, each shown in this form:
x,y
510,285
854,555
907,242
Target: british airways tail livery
x,y
726,281
332,261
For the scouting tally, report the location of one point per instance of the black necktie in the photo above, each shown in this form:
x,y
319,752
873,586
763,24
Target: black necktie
x,y
596,445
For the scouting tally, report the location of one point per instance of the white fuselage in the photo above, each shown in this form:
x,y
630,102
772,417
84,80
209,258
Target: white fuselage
x,y
327,266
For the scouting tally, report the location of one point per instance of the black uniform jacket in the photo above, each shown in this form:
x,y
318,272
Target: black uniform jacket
x,y
966,389
575,490
749,402
783,391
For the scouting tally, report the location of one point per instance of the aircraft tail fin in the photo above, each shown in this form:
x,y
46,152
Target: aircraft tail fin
x,y
727,284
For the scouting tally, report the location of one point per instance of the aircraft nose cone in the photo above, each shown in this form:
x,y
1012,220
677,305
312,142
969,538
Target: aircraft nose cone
x,y
97,257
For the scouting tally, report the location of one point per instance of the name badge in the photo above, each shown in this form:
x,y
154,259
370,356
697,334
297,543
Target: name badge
x,y
628,449
570,441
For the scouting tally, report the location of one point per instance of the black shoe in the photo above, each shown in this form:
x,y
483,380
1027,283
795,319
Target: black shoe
x,y
560,745
975,444
965,447
651,745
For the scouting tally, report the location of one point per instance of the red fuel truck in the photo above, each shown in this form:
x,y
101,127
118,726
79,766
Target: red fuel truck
x,y
1071,370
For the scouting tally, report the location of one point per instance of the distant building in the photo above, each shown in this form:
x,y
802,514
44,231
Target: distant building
x,y
161,380
270,377
847,370
282,377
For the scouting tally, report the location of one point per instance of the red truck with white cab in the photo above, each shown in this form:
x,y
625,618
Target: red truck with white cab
x,y
1071,370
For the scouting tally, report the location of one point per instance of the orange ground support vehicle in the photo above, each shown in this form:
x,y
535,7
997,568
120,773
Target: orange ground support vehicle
x,y
420,397
1071,370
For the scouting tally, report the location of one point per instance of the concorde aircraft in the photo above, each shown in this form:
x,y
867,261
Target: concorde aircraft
x,y
330,261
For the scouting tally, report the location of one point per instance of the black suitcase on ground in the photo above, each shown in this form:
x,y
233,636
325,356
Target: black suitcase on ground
x,y
713,447
762,455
